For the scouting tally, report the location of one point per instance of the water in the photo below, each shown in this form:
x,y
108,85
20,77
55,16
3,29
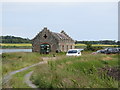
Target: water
x,y
14,50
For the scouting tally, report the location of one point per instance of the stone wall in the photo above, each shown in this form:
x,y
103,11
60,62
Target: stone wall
x,y
40,39
64,47
45,36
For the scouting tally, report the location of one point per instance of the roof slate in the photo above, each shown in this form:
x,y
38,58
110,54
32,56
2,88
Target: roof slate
x,y
58,36
61,36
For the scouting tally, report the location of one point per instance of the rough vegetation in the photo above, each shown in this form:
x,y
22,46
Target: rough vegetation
x,y
77,72
113,72
15,61
86,71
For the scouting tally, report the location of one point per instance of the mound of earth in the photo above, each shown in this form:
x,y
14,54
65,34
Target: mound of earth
x,y
112,72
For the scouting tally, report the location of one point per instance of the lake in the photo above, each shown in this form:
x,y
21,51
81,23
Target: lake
x,y
15,50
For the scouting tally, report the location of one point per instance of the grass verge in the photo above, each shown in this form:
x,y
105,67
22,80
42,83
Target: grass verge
x,y
76,72
15,61
19,78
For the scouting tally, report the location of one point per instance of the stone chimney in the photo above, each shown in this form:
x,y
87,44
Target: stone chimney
x,y
63,32
45,28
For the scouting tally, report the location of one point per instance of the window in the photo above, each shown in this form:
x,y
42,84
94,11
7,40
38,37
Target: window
x,y
62,47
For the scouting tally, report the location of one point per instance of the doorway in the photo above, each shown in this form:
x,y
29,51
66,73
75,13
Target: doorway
x,y
44,48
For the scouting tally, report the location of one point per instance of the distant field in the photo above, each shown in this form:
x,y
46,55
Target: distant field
x,y
15,61
97,45
24,44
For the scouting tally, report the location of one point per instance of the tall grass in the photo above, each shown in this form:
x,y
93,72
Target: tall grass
x,y
19,78
15,61
76,72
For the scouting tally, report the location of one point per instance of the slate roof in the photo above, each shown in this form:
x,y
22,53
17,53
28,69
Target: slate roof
x,y
61,36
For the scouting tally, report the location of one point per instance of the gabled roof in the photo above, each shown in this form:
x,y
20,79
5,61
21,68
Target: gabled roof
x,y
59,36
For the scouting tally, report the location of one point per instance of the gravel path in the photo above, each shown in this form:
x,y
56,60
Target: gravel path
x,y
27,76
9,76
27,80
6,78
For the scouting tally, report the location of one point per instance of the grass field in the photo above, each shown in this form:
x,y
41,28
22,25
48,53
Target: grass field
x,y
99,46
15,61
95,45
104,45
76,72
24,44
66,72
19,78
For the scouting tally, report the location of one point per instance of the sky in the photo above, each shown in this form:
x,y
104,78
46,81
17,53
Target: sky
x,y
80,20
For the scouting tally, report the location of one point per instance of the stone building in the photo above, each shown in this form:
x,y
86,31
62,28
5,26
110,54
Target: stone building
x,y
47,41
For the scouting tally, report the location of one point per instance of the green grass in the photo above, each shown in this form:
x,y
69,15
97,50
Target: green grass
x,y
76,72
18,60
60,54
66,72
19,78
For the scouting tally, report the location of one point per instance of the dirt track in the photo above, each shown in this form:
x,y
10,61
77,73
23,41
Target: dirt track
x,y
9,76
28,82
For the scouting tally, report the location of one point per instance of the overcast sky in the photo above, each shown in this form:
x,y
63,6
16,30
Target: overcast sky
x,y
81,20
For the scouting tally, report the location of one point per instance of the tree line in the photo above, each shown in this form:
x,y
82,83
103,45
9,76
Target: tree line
x,y
13,39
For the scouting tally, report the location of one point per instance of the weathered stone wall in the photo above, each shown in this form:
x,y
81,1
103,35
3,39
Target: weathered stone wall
x,y
65,46
40,39
45,36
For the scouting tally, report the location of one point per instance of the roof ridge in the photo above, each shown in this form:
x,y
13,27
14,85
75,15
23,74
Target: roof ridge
x,y
60,36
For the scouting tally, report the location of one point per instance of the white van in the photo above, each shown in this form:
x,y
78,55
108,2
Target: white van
x,y
74,52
